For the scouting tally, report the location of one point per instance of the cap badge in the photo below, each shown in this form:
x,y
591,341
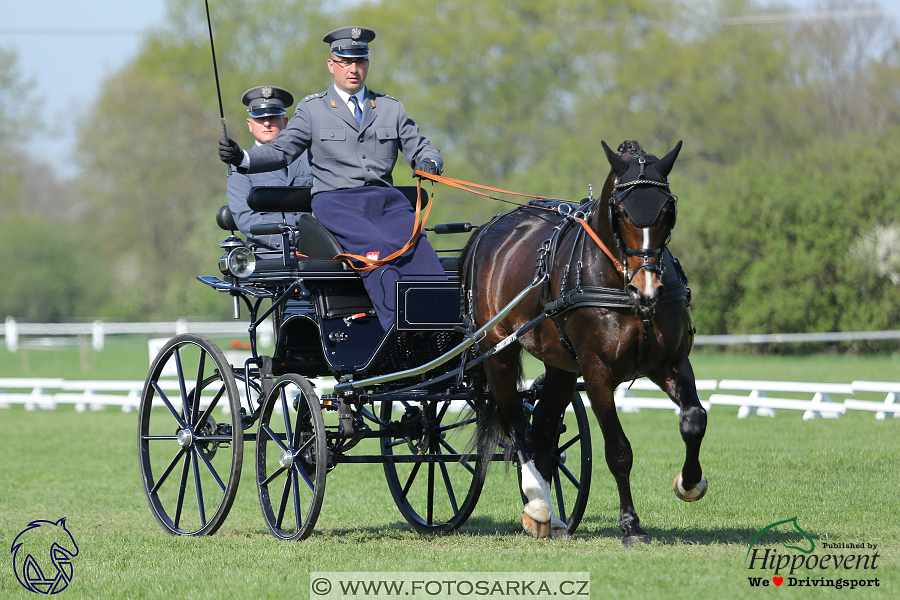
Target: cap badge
x,y
266,92
355,33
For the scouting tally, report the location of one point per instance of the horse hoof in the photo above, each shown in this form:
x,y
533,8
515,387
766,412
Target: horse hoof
x,y
558,529
693,494
535,528
630,540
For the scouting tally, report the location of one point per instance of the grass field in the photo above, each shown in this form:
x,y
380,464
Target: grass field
x,y
840,478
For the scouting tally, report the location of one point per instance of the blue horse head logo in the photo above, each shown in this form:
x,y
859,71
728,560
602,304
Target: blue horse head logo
x,y
42,556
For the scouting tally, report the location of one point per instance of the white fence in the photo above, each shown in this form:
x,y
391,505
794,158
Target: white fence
x,y
98,330
829,400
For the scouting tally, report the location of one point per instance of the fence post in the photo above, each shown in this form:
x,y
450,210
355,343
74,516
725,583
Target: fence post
x,y
12,334
97,335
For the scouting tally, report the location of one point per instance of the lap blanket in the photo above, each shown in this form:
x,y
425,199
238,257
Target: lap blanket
x,y
374,222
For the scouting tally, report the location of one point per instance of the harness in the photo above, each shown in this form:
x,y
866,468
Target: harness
x,y
579,296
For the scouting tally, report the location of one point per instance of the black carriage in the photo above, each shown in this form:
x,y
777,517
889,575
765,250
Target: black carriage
x,y
412,388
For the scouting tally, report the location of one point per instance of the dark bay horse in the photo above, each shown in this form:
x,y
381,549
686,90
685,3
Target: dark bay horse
x,y
612,315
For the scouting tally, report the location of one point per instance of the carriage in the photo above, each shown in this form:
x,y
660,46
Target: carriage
x,y
414,392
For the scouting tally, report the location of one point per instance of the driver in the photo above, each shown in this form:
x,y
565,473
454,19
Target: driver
x,y
352,136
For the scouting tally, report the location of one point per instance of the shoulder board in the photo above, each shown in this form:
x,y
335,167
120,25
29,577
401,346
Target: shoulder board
x,y
379,95
314,96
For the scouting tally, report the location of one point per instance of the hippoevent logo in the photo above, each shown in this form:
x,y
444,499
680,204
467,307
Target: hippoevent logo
x,y
791,569
42,556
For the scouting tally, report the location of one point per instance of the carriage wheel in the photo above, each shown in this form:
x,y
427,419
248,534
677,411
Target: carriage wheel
x,y
291,458
435,484
190,462
570,478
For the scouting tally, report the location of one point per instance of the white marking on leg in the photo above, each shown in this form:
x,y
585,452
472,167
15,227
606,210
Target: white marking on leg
x,y
531,481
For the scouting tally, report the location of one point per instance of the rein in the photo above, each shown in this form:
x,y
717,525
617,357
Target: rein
x,y
418,226
464,185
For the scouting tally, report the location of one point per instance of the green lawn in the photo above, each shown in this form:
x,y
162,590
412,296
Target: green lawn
x,y
839,477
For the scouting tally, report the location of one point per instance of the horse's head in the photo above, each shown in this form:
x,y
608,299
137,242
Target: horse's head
x,y
642,214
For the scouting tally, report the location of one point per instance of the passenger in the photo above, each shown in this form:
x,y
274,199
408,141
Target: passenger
x,y
353,135
267,106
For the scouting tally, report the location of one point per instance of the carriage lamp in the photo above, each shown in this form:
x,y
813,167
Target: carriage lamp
x,y
241,262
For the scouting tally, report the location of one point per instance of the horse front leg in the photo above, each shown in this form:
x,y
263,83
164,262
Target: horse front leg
x,y
619,458
690,483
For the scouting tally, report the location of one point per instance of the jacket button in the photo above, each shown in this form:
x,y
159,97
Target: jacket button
x,y
332,135
363,155
367,169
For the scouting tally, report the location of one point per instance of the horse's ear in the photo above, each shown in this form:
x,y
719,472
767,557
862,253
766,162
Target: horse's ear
x,y
665,164
615,161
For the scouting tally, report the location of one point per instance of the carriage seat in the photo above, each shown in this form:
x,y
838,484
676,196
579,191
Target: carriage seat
x,y
313,240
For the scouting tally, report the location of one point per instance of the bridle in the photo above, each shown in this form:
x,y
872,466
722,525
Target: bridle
x,y
620,193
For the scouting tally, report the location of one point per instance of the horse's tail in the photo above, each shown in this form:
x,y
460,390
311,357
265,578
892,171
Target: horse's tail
x,y
491,430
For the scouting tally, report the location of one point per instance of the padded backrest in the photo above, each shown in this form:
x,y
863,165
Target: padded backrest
x,y
314,240
280,199
299,199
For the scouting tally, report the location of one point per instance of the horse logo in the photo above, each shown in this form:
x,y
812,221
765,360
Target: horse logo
x,y
793,521
40,541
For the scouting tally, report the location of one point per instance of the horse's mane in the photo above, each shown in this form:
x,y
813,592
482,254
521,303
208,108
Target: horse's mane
x,y
630,147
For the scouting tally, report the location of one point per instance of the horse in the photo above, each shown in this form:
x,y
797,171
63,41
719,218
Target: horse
x,y
609,315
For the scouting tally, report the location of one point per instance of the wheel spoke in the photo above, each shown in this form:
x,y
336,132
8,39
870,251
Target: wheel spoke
x,y
165,399
561,503
458,424
568,444
200,505
184,475
274,437
305,478
212,470
440,416
296,488
282,506
430,493
569,476
452,450
168,470
198,386
212,406
299,421
286,414
412,476
181,384
449,487
271,477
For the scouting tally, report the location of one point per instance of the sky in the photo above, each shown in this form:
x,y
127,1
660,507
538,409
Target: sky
x,y
68,48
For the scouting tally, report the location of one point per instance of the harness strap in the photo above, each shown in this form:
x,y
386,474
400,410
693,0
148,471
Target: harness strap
x,y
371,264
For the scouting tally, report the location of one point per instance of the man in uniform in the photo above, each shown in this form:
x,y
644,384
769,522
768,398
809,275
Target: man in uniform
x,y
352,136
267,106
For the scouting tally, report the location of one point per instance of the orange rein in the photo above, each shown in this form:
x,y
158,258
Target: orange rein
x,y
462,185
418,226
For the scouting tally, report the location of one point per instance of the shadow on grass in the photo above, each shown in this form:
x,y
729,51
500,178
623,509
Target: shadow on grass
x,y
592,528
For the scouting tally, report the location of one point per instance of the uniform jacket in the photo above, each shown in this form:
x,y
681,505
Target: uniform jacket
x,y
342,154
239,184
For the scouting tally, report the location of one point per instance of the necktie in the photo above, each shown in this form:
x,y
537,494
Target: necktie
x,y
357,111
